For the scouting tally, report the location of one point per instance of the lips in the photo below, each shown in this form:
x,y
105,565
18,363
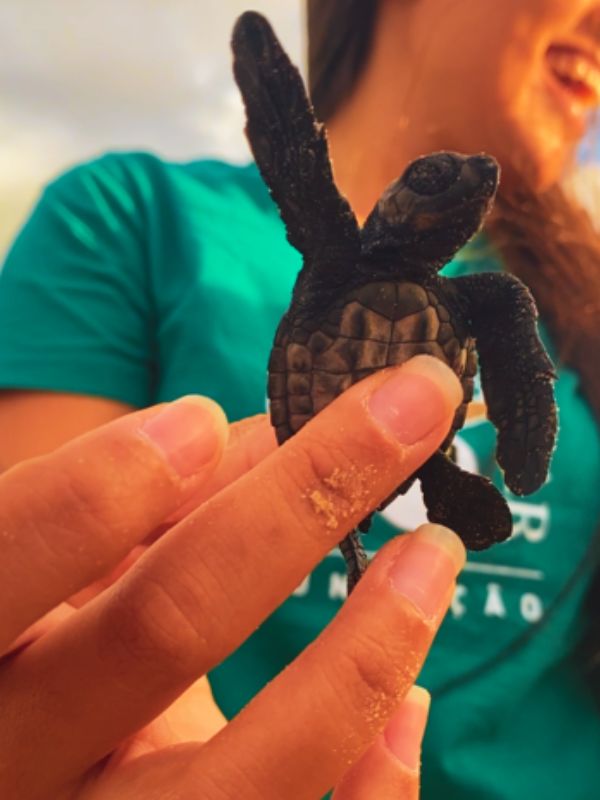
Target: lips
x,y
577,72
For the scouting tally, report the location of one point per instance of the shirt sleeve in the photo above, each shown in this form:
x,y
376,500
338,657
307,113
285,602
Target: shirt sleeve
x,y
75,303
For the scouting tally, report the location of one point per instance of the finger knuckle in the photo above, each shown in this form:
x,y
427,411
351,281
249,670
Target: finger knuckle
x,y
64,518
85,505
149,626
372,675
336,485
382,664
109,506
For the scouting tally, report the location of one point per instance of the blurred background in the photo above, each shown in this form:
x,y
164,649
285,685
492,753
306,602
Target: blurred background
x,y
78,77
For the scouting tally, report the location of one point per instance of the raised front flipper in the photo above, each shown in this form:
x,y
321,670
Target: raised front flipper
x,y
468,504
289,145
516,376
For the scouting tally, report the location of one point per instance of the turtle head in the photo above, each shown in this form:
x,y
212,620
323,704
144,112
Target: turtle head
x,y
432,210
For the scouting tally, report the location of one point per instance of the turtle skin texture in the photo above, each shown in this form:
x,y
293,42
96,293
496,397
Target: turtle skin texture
x,y
370,296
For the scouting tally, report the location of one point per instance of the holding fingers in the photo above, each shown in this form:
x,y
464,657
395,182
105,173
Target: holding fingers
x,y
390,768
330,704
67,518
125,657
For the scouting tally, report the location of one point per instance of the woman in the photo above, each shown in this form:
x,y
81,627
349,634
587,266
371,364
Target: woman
x,y
133,291
395,80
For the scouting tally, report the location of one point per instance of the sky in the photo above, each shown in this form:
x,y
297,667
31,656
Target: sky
x,y
79,77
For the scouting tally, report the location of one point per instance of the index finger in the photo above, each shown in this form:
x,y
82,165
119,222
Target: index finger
x,y
68,517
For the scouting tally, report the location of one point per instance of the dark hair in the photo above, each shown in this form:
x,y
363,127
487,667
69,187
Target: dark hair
x,y
339,37
545,239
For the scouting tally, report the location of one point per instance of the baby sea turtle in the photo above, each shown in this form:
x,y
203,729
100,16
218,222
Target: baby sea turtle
x,y
371,297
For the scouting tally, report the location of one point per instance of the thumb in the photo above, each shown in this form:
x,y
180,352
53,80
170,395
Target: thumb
x,y
390,768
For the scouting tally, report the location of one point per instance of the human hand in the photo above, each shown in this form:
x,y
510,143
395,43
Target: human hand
x,y
95,700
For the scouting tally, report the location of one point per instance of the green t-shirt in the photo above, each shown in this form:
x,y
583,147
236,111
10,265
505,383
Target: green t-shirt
x,y
141,280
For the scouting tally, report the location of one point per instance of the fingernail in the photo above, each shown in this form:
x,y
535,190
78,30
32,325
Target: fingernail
x,y
404,732
416,399
427,566
186,432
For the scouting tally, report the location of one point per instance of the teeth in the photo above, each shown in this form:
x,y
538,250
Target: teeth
x,y
576,67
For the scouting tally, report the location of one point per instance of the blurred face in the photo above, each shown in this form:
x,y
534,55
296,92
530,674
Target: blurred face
x,y
515,78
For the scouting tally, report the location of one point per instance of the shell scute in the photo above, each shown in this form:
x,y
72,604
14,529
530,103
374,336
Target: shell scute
x,y
361,322
327,386
299,383
277,385
340,357
411,299
372,355
277,359
319,342
279,413
296,421
419,327
378,296
300,404
404,350
298,358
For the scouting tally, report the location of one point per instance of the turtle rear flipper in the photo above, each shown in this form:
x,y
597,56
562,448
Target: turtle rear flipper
x,y
516,376
289,146
468,504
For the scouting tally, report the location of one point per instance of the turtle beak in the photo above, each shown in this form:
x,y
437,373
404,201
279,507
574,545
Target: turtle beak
x,y
482,174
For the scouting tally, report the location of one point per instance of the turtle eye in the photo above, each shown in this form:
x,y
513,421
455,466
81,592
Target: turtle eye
x,y
432,174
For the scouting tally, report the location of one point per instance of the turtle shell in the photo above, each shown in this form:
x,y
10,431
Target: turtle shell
x,y
377,325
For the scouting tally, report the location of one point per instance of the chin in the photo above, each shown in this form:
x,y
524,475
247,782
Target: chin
x,y
533,166
532,155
